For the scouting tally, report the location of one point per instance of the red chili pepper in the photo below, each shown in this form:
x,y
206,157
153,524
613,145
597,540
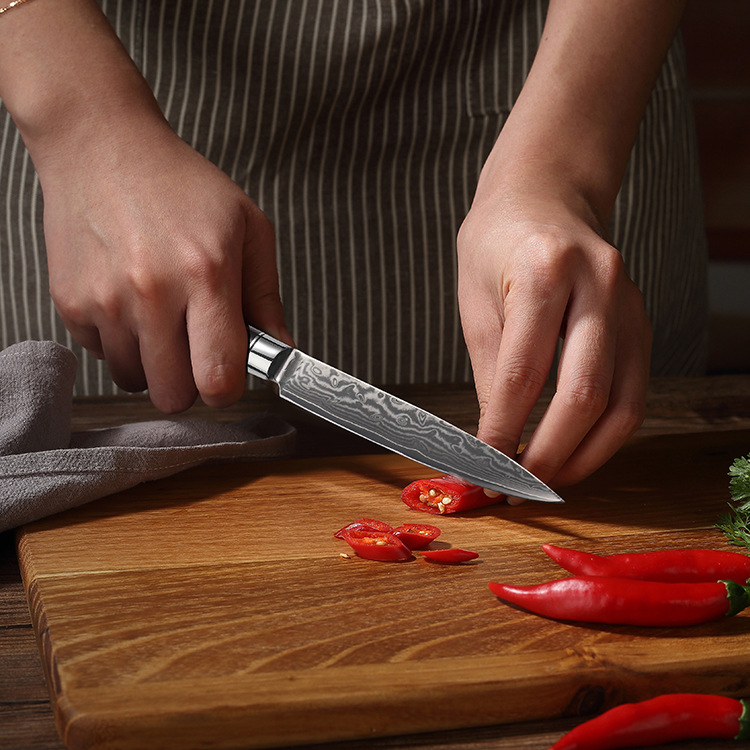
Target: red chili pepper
x,y
445,495
661,565
454,555
376,545
667,718
623,601
417,535
364,524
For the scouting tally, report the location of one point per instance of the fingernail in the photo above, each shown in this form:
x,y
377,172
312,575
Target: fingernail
x,y
491,493
515,501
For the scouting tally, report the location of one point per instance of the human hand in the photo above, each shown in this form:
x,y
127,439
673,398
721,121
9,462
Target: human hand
x,y
533,267
156,260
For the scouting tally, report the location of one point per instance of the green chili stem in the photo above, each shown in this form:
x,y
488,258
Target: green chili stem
x,y
739,597
744,731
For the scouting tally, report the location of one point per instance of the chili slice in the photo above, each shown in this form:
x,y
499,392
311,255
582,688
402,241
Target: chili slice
x,y
679,565
454,555
376,545
623,601
445,495
417,535
364,524
666,718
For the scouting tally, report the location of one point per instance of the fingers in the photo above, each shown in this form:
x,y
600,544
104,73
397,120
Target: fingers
x,y
601,388
178,328
625,407
232,286
602,373
524,357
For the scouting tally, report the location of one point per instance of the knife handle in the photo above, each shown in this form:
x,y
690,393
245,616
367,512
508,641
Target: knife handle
x,y
265,355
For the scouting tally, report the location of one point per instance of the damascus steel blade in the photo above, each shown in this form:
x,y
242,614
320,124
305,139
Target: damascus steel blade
x,y
389,421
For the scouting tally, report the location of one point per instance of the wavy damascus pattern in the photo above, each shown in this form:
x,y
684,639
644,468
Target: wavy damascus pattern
x,y
402,427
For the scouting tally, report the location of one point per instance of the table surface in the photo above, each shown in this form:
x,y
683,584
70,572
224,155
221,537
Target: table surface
x,y
26,721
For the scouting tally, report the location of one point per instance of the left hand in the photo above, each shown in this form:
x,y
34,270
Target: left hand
x,y
534,267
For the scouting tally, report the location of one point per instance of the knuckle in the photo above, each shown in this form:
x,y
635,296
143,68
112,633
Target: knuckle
x,y
587,394
68,308
544,469
627,417
220,384
84,309
499,438
145,284
549,249
523,380
465,238
109,304
204,267
259,229
611,270
548,260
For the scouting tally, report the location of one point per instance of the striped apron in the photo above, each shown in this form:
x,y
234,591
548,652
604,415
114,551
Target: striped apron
x,y
360,128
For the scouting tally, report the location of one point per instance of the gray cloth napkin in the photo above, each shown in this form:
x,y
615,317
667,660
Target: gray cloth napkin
x,y
46,468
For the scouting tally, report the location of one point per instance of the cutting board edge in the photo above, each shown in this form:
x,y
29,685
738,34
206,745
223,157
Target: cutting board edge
x,y
573,684
304,722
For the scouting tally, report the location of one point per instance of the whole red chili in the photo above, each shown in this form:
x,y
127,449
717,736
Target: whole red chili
x,y
667,718
453,555
623,601
445,495
660,565
417,535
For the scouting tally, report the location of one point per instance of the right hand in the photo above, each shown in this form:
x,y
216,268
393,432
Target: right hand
x,y
156,260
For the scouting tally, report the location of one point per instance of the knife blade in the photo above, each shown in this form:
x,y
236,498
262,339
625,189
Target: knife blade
x,y
387,420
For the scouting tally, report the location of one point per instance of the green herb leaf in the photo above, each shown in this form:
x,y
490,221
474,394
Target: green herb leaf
x,y
739,483
736,527
736,523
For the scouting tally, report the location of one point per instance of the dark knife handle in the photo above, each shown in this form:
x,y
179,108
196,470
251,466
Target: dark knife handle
x,y
265,355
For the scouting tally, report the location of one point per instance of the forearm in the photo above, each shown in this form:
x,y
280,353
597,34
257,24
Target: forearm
x,y
580,109
66,78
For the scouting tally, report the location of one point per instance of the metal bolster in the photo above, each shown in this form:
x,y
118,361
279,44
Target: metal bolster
x,y
264,354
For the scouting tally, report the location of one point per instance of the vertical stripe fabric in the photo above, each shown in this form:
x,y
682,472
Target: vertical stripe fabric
x,y
360,129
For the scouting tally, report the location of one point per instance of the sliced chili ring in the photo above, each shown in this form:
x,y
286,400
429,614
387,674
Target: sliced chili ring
x,y
364,524
376,545
417,535
445,495
453,555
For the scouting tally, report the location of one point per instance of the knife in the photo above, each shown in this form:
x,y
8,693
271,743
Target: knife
x,y
388,421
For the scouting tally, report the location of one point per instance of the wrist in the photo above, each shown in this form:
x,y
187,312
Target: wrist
x,y
578,114
66,79
543,178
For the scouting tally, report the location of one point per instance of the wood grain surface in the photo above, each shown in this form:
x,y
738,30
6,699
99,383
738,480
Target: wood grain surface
x,y
213,609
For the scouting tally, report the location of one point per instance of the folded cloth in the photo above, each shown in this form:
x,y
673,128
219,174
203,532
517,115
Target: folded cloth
x,y
46,468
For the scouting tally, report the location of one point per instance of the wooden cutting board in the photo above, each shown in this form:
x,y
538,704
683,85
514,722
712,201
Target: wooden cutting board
x,y
213,609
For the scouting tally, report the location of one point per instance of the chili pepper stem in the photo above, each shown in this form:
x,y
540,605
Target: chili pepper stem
x,y
739,597
744,733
